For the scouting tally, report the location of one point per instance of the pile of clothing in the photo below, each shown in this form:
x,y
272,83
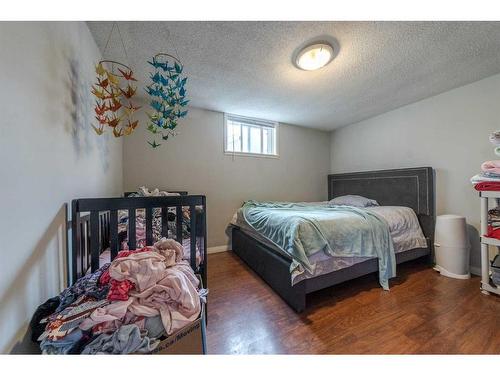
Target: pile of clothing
x,y
127,306
494,223
489,178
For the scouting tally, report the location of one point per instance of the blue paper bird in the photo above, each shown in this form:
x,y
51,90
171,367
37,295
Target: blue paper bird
x,y
163,80
156,105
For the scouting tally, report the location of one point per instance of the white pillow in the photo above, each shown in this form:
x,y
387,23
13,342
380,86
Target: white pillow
x,y
353,200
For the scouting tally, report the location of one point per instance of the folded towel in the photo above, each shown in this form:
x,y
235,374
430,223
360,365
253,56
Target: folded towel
x,y
492,166
488,186
490,175
483,177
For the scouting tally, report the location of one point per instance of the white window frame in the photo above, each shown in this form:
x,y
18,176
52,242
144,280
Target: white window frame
x,y
252,121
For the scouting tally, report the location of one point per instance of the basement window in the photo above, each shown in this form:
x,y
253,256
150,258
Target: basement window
x,y
250,136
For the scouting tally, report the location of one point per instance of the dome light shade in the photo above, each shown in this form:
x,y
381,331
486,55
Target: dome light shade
x,y
314,57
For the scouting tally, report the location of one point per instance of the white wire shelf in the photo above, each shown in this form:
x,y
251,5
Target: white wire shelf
x,y
489,194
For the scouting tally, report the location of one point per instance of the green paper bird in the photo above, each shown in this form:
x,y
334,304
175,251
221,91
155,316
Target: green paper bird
x,y
154,144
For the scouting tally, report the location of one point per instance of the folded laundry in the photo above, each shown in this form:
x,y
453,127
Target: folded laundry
x,y
484,177
494,213
127,339
487,186
492,166
490,175
493,232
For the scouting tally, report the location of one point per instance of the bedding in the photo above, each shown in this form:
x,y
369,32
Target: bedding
x,y
402,224
303,230
353,200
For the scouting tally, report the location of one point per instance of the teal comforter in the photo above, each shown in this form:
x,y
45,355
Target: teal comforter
x,y
301,230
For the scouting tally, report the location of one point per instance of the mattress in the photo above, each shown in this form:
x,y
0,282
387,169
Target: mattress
x,y
403,226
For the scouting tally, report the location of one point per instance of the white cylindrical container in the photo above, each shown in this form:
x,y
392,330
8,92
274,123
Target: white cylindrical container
x,y
452,248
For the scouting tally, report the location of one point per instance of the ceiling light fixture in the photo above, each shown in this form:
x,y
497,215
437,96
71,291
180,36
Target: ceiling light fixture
x,y
314,56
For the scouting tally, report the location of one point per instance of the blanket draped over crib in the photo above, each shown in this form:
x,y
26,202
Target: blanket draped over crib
x,y
301,230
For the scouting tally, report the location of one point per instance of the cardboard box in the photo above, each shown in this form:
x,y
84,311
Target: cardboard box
x,y
189,340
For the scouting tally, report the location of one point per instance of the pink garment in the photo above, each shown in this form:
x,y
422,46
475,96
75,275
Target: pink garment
x,y
175,297
114,325
170,249
492,166
144,269
111,312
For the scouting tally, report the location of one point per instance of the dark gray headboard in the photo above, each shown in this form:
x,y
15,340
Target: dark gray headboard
x,y
409,187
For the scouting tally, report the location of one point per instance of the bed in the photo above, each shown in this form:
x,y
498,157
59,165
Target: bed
x,y
410,187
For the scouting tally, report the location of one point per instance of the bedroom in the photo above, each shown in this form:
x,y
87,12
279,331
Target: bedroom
x,y
313,179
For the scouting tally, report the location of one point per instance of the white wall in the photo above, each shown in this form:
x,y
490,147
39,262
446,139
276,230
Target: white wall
x,y
49,156
194,161
448,132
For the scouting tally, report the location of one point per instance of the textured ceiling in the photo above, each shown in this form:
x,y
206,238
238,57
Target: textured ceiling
x,y
245,67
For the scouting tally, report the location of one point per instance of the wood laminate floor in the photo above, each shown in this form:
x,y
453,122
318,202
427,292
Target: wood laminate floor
x,y
423,313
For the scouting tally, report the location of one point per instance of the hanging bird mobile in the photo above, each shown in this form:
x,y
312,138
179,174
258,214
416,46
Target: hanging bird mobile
x,y
114,91
168,97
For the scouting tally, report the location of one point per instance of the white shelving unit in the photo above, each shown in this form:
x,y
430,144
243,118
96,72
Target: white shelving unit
x,y
486,285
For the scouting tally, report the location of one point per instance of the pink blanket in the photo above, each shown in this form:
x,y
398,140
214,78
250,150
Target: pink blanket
x,y
174,297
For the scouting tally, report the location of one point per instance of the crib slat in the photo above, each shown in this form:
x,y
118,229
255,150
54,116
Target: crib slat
x,y
164,222
75,240
94,240
131,229
204,242
113,232
192,255
82,257
149,226
178,223
101,230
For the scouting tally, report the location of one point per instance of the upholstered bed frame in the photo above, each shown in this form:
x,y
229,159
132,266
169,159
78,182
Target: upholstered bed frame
x,y
409,187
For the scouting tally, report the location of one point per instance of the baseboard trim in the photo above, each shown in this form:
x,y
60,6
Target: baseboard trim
x,y
475,271
218,249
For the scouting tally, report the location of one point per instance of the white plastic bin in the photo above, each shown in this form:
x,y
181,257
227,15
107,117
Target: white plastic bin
x,y
452,246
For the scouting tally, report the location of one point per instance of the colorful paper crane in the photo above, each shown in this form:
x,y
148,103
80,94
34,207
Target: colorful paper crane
x,y
129,92
127,75
114,107
168,96
100,108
